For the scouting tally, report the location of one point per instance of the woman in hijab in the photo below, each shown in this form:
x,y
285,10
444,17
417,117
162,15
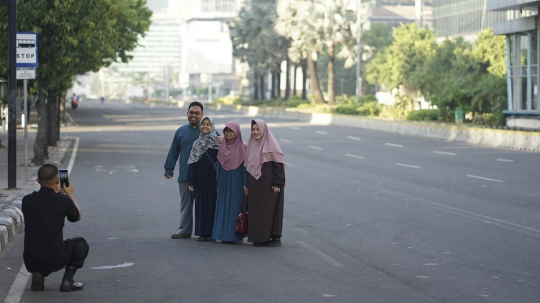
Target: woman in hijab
x,y
232,183
265,165
202,178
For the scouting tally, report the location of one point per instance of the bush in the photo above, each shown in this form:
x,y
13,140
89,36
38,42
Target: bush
x,y
346,109
229,100
368,109
423,115
296,101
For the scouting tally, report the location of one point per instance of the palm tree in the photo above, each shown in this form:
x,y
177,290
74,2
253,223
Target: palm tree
x,y
291,23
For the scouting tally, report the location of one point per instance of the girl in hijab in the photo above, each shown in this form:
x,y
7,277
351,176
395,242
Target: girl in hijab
x,y
232,183
265,165
202,178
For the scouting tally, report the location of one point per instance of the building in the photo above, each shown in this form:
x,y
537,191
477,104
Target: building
x,y
464,18
522,56
206,48
396,12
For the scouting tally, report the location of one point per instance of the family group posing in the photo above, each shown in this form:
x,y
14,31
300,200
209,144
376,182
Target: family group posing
x,y
217,173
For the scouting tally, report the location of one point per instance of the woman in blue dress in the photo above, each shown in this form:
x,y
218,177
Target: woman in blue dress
x,y
231,183
202,178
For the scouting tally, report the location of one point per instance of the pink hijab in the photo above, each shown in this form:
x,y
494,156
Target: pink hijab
x,y
266,149
232,153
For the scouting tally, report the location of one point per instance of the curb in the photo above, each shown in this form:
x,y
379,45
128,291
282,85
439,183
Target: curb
x,y
510,139
11,216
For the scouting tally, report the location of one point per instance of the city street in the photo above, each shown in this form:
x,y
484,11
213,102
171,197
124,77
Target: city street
x,y
369,217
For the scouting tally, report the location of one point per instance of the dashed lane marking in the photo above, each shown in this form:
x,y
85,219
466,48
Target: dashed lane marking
x,y
393,145
354,138
484,178
354,156
316,147
321,132
286,141
407,165
505,160
443,153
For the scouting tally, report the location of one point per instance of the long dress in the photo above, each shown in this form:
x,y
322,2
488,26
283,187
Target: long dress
x,y
265,206
202,175
229,197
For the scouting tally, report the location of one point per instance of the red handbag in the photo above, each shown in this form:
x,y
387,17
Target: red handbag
x,y
242,220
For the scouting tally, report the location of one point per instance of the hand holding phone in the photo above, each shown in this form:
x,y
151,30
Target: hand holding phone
x,y
64,180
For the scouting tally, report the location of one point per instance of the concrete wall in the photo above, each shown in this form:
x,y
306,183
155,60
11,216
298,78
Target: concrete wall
x,y
478,136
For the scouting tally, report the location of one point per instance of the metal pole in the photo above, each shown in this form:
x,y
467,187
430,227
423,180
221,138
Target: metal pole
x,y
358,49
25,131
12,89
209,88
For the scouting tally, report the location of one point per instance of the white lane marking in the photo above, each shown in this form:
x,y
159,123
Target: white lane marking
x,y
321,132
320,254
112,238
484,178
18,286
444,153
286,141
328,296
114,266
468,214
289,164
73,155
315,147
354,138
505,160
272,124
407,165
393,145
422,277
295,128
354,156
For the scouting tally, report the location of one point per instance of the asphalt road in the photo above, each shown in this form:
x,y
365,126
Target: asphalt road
x,y
369,217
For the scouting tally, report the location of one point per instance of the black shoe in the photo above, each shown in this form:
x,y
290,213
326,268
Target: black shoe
x,y
38,282
227,242
202,239
265,243
275,242
70,286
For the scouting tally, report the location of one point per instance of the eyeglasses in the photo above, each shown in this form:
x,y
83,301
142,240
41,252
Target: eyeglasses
x,y
194,113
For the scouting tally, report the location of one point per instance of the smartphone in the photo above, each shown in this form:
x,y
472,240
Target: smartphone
x,y
64,180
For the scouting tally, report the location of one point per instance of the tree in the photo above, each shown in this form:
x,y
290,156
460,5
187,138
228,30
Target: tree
x,y
411,49
75,37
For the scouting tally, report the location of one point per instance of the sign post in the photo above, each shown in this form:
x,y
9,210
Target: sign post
x,y
27,61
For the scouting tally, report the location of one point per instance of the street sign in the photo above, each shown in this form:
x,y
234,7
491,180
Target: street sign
x,y
26,73
27,49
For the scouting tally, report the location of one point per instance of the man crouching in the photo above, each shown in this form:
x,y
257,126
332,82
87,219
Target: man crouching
x,y
45,250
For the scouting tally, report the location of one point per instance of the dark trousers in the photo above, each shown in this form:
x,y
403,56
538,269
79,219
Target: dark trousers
x,y
73,255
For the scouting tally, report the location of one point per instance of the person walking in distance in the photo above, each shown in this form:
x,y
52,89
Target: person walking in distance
x,y
45,250
179,151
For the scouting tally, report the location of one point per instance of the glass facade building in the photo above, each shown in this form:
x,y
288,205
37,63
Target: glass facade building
x,y
521,30
463,17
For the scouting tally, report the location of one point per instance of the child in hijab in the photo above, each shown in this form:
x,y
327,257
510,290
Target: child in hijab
x,y
202,178
231,183
265,165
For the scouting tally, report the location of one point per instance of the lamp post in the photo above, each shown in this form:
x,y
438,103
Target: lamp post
x,y
358,50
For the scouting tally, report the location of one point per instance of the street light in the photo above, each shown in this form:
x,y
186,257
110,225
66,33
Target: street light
x,y
358,50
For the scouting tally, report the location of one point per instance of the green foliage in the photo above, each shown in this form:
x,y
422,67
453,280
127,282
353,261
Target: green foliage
x,y
423,115
295,101
229,100
346,109
368,109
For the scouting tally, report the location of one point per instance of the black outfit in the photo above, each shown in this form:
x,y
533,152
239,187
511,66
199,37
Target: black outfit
x,y
45,250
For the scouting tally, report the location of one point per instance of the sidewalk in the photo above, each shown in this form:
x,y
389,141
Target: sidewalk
x,y
11,219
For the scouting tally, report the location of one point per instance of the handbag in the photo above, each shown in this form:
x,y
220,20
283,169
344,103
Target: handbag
x,y
215,164
242,220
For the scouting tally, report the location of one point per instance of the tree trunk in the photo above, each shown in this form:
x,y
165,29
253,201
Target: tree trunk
x,y
303,64
273,85
41,135
57,128
51,123
255,88
288,79
331,74
295,67
263,89
315,88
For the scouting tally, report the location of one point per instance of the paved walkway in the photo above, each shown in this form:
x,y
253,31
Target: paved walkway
x,y
11,221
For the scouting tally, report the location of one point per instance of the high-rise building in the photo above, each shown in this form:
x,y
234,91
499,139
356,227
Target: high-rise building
x,y
464,18
396,12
